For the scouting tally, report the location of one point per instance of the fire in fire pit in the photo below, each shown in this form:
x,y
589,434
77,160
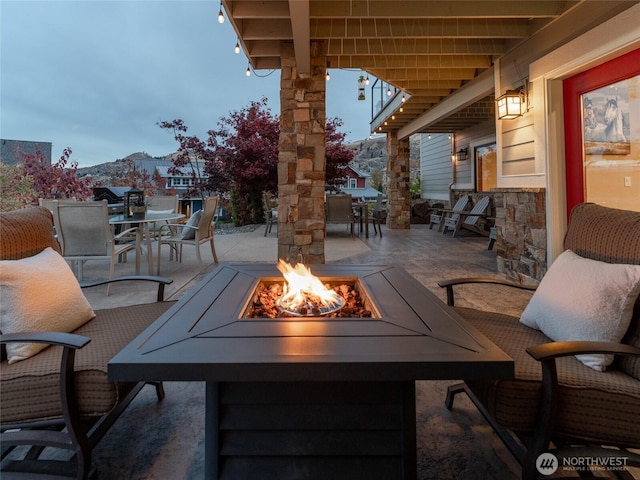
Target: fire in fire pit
x,y
302,294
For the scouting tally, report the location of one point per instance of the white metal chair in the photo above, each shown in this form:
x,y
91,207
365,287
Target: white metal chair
x,y
200,225
84,234
161,204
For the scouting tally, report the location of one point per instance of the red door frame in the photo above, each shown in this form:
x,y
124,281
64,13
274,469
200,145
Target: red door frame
x,y
613,71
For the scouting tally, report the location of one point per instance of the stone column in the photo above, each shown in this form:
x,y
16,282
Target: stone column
x,y
301,158
398,182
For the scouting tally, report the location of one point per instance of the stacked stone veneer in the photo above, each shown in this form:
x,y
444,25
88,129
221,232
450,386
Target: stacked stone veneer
x,y
521,244
301,158
398,182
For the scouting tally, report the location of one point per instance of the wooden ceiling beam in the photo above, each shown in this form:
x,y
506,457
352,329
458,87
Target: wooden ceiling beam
x,y
416,46
409,62
419,28
438,8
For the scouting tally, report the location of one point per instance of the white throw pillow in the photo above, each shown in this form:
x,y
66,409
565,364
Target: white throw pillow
x,y
190,233
583,299
155,226
39,294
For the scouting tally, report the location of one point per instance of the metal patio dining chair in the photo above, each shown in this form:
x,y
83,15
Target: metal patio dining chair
x,y
340,210
198,230
84,234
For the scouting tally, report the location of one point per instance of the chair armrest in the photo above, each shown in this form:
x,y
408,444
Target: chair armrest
x,y
161,281
68,340
449,284
552,350
123,233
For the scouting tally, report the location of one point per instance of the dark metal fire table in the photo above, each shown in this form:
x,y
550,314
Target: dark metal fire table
x,y
310,397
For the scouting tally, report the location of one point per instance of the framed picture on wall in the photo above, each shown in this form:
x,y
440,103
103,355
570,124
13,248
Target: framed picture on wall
x,y
605,120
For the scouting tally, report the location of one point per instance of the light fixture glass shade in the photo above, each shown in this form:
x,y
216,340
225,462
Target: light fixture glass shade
x,y
361,87
511,105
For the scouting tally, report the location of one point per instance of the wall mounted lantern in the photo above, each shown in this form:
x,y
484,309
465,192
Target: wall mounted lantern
x,y
462,154
512,104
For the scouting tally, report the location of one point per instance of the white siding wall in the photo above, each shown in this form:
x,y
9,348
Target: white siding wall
x,y
479,135
435,166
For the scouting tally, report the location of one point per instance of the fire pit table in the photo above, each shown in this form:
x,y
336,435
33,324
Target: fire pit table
x,y
310,397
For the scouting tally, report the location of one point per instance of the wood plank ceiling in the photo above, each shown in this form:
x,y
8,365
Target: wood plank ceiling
x,y
427,49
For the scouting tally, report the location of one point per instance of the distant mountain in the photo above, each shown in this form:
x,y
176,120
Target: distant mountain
x,y
370,154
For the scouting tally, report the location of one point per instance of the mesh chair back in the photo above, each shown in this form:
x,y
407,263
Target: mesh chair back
x,y
83,228
205,226
339,209
163,202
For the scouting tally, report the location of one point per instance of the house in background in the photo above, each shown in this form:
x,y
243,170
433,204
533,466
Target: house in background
x,y
10,150
357,184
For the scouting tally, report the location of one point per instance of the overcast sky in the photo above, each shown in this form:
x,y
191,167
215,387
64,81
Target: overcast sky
x,y
98,75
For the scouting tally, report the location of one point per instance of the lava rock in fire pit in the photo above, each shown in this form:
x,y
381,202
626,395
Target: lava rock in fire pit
x,y
266,303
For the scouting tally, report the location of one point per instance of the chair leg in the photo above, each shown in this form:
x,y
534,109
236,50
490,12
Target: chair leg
x,y
197,245
452,391
213,251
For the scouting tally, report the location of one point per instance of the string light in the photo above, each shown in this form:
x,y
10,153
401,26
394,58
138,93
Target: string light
x,y
328,76
403,99
237,47
366,80
220,15
388,91
248,70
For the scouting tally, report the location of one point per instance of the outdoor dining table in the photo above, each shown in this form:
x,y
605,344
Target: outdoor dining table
x,y
331,396
143,235
363,216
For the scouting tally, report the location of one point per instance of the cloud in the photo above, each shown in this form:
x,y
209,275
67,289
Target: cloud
x,y
97,76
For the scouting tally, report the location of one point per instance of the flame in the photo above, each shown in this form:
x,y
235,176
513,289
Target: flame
x,y
303,289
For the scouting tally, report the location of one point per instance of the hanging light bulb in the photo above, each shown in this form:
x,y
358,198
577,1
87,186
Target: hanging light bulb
x,y
248,70
220,15
366,80
328,76
401,109
389,92
404,99
429,137
237,47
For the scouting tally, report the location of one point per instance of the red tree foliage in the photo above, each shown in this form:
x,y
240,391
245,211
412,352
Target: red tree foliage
x,y
245,159
241,157
337,155
56,180
191,157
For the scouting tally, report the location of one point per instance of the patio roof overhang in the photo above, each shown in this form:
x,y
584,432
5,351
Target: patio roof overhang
x,y
439,54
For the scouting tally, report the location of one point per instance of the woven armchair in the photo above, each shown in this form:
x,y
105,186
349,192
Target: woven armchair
x,y
555,403
60,397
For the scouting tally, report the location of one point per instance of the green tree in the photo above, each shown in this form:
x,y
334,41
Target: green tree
x,y
16,189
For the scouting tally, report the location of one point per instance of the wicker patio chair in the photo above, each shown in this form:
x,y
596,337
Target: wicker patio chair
x,y
555,403
60,397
